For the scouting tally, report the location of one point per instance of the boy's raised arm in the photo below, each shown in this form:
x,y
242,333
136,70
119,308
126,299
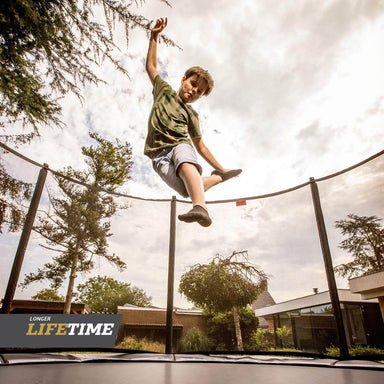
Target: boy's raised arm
x,y
151,64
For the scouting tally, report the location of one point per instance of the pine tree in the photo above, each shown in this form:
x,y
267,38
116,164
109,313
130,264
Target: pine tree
x,y
365,243
12,194
48,48
79,226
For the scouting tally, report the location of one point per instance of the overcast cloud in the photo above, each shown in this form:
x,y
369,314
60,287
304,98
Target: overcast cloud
x,y
299,92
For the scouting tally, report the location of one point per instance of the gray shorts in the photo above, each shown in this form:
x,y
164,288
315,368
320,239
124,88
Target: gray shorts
x,y
168,161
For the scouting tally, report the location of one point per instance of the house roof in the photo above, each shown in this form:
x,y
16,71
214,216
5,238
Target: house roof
x,y
151,325
369,286
45,306
322,298
179,311
264,300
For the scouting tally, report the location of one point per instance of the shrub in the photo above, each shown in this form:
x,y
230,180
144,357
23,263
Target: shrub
x,y
195,341
358,350
133,343
284,335
262,339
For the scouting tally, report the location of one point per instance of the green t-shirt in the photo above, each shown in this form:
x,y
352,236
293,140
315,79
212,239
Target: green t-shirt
x,y
171,121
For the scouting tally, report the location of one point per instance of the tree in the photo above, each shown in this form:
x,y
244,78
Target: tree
x,y
48,49
221,328
79,226
105,294
225,284
365,243
48,294
12,194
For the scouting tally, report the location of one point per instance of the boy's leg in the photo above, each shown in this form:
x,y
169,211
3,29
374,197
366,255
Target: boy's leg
x,y
193,183
211,181
195,189
218,177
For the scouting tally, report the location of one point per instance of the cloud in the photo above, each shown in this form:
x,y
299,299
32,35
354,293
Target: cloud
x,y
314,138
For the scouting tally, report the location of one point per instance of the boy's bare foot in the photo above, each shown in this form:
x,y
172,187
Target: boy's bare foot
x,y
197,213
228,174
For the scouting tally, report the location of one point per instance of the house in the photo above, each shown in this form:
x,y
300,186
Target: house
x,y
370,286
311,321
150,322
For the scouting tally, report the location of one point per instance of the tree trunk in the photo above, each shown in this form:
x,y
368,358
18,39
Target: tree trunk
x,y
236,319
71,283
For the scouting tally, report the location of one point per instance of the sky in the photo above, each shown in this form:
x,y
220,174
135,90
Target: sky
x,y
299,93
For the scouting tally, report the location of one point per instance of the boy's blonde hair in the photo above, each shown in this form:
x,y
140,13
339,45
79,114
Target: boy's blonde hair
x,y
200,72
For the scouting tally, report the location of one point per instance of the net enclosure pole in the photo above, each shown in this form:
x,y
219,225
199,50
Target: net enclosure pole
x,y
171,278
23,242
344,353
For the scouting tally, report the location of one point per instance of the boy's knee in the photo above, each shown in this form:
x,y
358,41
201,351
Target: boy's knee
x,y
183,167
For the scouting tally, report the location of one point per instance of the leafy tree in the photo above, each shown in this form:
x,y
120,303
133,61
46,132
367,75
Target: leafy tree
x,y
365,243
105,294
48,294
221,328
49,48
78,228
225,284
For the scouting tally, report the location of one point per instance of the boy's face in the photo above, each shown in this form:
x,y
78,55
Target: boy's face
x,y
192,88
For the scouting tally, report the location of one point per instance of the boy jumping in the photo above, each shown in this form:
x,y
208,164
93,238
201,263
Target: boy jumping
x,y
172,128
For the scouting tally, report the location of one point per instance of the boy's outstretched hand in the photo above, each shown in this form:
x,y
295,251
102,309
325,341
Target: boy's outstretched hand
x,y
159,27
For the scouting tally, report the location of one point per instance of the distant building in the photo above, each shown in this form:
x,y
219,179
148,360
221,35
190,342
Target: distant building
x,y
311,321
370,286
263,301
150,322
